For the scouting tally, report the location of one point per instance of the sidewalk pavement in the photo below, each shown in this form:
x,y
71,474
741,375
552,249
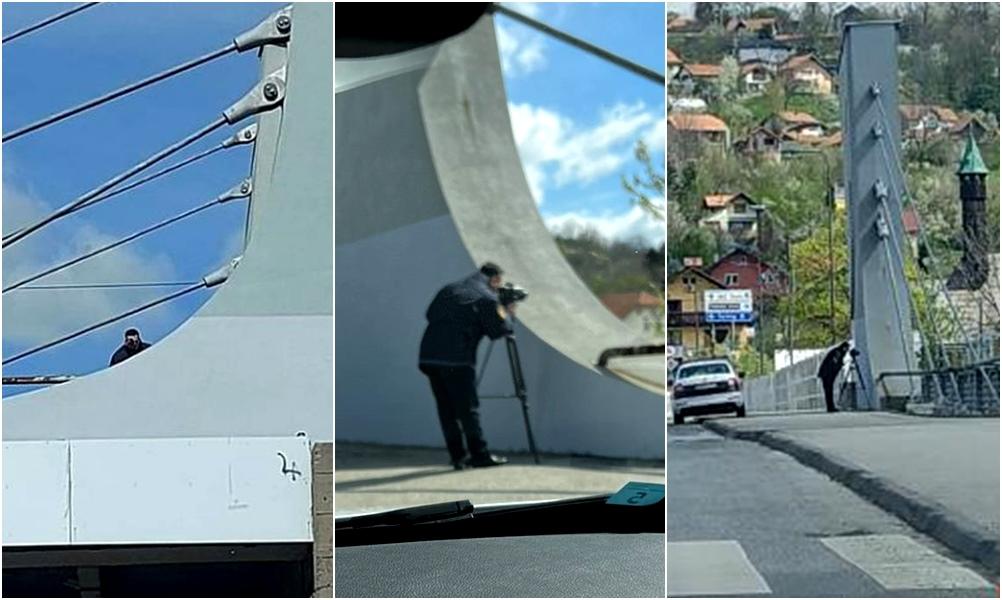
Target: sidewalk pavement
x,y
940,475
370,477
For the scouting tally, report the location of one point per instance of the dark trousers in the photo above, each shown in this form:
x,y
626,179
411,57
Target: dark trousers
x,y
455,392
829,386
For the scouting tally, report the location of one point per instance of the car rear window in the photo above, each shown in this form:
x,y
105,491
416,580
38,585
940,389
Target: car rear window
x,y
707,369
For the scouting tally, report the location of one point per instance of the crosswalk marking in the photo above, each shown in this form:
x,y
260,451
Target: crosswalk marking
x,y
897,562
712,568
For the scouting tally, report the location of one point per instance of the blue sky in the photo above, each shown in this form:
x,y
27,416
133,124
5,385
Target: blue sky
x,y
577,117
74,60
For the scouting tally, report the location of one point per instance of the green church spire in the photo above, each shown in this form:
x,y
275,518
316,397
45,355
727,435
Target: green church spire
x,y
971,162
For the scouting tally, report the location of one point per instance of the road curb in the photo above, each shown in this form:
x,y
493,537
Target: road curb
x,y
954,531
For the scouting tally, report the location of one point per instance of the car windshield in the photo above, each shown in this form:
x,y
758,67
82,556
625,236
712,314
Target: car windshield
x,y
437,403
704,369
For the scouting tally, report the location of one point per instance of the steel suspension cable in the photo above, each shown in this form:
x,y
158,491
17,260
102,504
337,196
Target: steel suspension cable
x,y
173,296
111,246
49,21
122,91
72,206
602,53
107,286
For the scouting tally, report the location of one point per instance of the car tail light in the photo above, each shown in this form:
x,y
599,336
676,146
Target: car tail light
x,y
734,384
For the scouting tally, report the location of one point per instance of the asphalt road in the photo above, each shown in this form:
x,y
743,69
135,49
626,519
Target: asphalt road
x,y
744,520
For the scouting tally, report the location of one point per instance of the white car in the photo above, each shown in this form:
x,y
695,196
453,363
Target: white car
x,y
705,387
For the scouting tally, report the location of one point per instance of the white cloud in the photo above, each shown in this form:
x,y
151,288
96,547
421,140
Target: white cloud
x,y
522,50
556,152
656,137
632,224
529,9
32,316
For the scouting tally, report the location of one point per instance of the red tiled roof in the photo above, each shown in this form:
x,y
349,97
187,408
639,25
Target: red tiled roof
x,y
673,58
704,70
622,304
717,200
750,24
914,112
801,60
798,118
722,200
910,221
682,23
696,122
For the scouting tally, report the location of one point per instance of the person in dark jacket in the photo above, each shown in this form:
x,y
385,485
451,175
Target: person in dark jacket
x,y
133,345
828,370
460,315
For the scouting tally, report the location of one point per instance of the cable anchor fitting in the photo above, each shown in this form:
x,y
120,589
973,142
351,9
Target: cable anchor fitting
x,y
276,29
244,136
221,274
241,190
267,94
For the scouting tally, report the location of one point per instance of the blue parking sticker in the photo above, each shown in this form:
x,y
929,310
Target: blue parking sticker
x,y
636,493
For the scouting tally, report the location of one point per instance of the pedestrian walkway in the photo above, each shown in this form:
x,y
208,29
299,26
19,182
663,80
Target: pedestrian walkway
x,y
897,563
940,475
369,477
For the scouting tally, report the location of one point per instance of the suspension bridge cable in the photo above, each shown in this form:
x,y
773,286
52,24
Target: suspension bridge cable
x,y
241,191
107,286
72,206
244,136
49,21
137,183
36,379
173,296
275,29
108,247
265,96
602,53
75,110
211,280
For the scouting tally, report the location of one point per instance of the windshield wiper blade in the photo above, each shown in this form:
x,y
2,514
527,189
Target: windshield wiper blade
x,y
429,513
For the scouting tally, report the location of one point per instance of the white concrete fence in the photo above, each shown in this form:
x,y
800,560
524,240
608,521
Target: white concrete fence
x,y
792,388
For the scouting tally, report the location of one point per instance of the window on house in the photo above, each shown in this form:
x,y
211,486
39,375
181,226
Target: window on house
x,y
730,279
674,306
674,337
739,207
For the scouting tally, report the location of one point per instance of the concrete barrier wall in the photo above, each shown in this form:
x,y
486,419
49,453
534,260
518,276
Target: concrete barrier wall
x,y
793,388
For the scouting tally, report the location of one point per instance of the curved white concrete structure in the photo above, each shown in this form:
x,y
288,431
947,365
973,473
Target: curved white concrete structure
x,y
429,185
256,360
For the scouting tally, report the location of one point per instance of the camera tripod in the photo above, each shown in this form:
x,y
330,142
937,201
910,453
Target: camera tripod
x,y
515,365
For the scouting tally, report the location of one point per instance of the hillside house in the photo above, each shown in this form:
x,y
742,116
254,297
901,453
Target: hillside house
x,y
686,130
921,121
674,64
756,75
805,74
732,214
743,270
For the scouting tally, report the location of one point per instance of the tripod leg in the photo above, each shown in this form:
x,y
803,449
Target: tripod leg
x,y
516,375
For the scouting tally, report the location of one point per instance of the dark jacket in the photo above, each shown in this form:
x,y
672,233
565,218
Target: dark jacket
x,y
831,364
460,315
124,353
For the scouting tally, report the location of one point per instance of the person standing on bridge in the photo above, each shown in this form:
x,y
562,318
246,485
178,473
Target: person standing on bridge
x,y
828,370
132,346
460,315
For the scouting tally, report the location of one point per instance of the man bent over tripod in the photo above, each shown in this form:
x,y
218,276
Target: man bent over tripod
x,y
460,315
